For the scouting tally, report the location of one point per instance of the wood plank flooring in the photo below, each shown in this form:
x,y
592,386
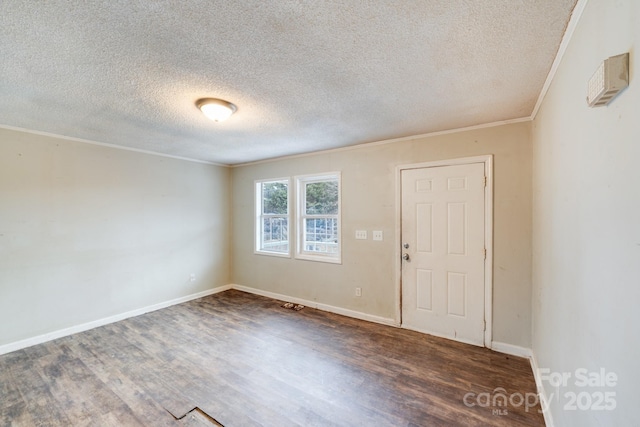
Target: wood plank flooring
x,y
236,359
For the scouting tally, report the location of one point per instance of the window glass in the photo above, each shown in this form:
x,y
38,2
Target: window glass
x,y
272,219
319,218
321,198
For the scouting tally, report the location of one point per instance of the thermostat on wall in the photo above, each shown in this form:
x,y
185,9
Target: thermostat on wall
x,y
609,79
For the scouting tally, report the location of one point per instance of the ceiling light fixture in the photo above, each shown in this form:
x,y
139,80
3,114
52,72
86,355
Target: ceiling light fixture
x,y
216,109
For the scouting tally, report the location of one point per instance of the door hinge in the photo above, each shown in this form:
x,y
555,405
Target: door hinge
x,y
485,253
485,181
485,325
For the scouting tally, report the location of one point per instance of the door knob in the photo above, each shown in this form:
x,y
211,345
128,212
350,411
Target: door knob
x,y
405,257
406,246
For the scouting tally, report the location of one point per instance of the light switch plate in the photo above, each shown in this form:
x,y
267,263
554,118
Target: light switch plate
x,y
377,235
361,234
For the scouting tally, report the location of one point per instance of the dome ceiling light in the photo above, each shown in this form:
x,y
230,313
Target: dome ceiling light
x,y
217,110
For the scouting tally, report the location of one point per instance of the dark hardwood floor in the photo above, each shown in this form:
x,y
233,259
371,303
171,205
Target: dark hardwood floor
x,y
236,359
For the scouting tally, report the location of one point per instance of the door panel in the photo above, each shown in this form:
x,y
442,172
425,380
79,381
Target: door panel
x,y
424,225
443,226
424,289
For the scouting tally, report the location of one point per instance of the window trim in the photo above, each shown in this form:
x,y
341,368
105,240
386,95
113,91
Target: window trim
x,y
300,181
258,216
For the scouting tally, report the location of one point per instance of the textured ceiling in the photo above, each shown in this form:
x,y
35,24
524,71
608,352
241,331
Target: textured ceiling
x,y
305,75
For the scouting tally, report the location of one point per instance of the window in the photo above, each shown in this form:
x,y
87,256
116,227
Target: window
x,y
319,217
272,217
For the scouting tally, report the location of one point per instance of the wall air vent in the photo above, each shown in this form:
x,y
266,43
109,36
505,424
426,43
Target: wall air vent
x,y
611,77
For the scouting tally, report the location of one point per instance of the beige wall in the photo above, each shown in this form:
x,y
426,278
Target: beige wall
x,y
587,220
369,203
88,232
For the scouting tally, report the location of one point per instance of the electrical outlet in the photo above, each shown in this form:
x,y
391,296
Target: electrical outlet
x,y
377,235
361,234
358,292
192,277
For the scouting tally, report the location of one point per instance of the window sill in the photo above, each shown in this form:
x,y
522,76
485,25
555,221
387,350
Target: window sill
x,y
319,258
274,254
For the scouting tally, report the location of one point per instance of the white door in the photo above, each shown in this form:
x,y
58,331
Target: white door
x,y
443,239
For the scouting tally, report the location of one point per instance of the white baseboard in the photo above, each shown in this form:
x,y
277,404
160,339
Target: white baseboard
x,y
542,393
18,345
319,306
513,350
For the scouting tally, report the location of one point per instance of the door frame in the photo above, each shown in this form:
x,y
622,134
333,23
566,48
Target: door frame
x,y
487,160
